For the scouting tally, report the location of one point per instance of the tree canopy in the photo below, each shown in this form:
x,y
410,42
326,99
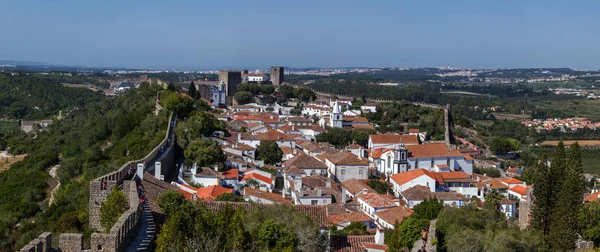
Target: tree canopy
x,y
110,210
269,152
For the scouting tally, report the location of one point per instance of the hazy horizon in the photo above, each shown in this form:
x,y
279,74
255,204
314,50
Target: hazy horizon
x,y
255,35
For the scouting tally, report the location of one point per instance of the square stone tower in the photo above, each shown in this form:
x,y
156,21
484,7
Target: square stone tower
x,y
277,75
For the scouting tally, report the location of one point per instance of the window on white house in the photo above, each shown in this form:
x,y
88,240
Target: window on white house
x,y
389,162
360,171
432,163
314,202
343,172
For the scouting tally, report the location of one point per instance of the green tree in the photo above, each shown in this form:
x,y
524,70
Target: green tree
x,y
428,209
252,183
337,136
269,152
192,92
267,89
356,228
230,197
243,97
379,186
205,152
273,236
110,210
405,234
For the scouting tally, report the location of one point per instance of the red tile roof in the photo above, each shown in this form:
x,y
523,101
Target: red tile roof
x,y
231,174
591,197
405,177
349,217
273,197
431,150
346,158
303,161
413,131
257,176
212,192
375,246
375,200
519,190
511,181
389,138
394,214
512,170
350,243
274,135
354,185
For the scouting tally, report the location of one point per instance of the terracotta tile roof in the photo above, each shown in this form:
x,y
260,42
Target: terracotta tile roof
x,y
353,147
308,145
505,201
355,119
293,170
315,181
512,170
442,166
453,176
317,213
376,153
375,200
335,209
591,197
431,150
375,246
346,158
394,214
303,161
257,176
273,135
273,197
212,192
389,138
286,150
519,190
299,119
448,196
206,172
231,174
354,185
479,177
153,189
349,217
362,126
467,157
496,184
413,130
511,181
404,177
417,192
350,243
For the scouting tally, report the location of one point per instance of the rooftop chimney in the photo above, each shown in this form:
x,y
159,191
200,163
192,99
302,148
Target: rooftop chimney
x,y
328,184
319,192
343,195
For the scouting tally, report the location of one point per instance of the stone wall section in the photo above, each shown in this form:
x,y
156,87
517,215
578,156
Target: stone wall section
x,y
40,244
70,242
98,192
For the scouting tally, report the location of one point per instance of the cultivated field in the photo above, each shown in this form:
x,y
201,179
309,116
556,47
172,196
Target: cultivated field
x,y
582,143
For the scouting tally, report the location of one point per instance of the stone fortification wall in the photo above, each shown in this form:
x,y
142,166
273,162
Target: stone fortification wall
x,y
124,229
40,244
100,187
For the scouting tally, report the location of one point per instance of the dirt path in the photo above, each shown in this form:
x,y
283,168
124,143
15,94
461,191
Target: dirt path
x,y
6,160
53,174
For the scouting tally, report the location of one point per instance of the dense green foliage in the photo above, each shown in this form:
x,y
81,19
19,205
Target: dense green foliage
x,y
93,140
490,172
243,97
230,197
191,227
199,124
205,153
110,210
355,228
504,145
471,229
37,97
557,198
399,116
341,137
406,233
589,220
269,152
302,94
379,186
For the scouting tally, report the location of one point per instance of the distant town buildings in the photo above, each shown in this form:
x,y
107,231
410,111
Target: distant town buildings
x,y
565,125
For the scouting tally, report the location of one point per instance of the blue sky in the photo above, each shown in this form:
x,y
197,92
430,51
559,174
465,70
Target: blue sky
x,y
257,34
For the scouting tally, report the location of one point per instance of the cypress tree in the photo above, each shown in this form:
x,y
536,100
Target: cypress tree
x,y
542,197
192,92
